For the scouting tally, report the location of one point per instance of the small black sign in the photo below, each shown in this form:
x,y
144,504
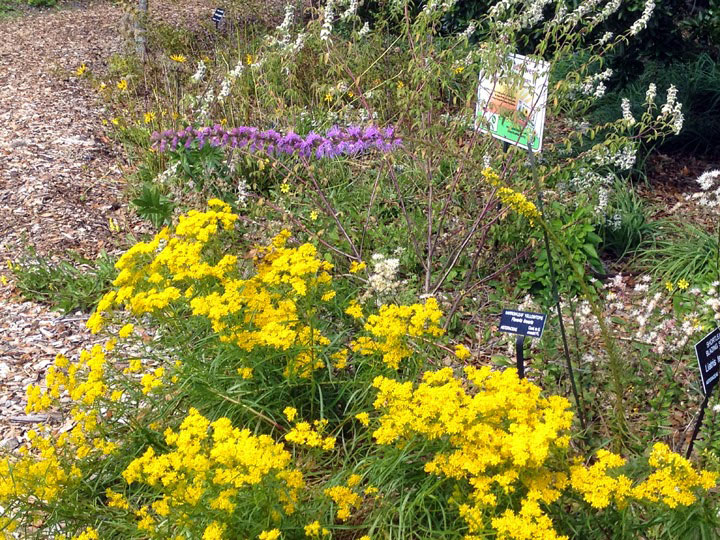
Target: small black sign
x,y
524,323
707,351
218,15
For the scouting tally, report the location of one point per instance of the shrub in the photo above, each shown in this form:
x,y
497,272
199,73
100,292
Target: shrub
x,y
261,408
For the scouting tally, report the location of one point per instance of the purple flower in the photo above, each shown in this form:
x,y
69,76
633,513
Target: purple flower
x,y
352,140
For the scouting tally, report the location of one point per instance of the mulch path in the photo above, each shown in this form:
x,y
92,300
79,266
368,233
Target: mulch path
x,y
60,181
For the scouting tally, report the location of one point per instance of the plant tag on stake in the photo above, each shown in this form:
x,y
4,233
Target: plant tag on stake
x,y
523,324
218,16
511,107
707,351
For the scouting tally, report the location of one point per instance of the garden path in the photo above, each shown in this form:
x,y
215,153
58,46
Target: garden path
x,y
60,180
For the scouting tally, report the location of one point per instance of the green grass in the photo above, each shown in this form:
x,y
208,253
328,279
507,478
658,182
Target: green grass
x,y
682,251
68,285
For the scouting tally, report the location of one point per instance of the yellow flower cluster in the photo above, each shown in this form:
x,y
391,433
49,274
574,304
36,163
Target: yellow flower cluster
x,y
262,311
83,381
519,203
315,530
504,438
500,436
48,464
344,497
393,325
672,482
209,466
305,434
514,200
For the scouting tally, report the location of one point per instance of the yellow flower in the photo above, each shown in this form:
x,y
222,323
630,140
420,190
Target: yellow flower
x,y
356,267
354,310
314,215
328,98
290,413
328,296
683,284
3,279
458,70
115,121
122,85
149,117
249,59
462,352
126,330
81,70
400,85
269,535
214,531
103,86
179,58
669,286
315,530
363,418
246,372
285,187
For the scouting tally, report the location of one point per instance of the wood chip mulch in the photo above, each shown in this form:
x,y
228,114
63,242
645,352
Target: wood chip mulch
x,y
60,182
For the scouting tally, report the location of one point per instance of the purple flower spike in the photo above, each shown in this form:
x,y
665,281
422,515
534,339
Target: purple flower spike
x,y
353,140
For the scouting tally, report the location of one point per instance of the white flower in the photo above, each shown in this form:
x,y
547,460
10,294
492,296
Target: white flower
x,y
469,31
606,37
707,179
651,93
626,112
350,11
365,30
670,102
641,23
328,17
199,73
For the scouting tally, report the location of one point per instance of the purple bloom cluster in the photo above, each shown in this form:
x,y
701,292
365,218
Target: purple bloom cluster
x,y
337,141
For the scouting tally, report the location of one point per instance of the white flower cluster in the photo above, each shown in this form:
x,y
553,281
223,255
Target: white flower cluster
x,y
626,112
533,13
227,82
328,17
650,94
590,182
365,30
610,8
284,29
605,38
199,73
710,194
383,280
614,222
646,319
167,174
641,23
436,5
672,110
585,7
351,10
469,31
713,300
243,191
595,84
624,158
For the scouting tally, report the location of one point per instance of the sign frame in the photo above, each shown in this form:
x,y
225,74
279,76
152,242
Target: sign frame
x,y
536,320
499,106
709,376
